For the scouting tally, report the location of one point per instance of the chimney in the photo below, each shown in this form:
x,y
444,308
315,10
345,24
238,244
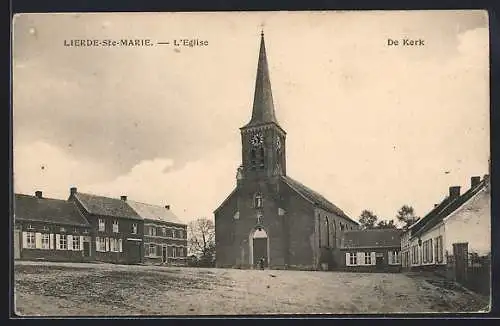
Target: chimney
x,y
72,190
455,192
474,181
167,206
124,198
38,194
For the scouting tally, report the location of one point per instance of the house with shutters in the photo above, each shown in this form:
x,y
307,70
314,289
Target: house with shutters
x,y
116,229
165,236
371,250
269,215
459,221
50,229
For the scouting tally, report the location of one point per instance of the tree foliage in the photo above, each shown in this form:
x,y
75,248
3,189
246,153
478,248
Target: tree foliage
x,y
386,225
367,219
406,215
201,240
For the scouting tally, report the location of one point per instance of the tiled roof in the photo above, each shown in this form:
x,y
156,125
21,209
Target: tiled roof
x,y
315,197
100,205
154,212
445,208
371,238
47,210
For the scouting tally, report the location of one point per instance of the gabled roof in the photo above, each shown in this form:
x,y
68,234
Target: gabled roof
x,y
154,212
315,197
372,238
225,200
444,209
105,206
48,210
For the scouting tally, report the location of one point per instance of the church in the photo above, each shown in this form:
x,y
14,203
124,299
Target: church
x,y
269,217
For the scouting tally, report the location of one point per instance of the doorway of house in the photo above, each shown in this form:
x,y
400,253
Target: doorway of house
x,y
86,249
379,262
164,254
259,247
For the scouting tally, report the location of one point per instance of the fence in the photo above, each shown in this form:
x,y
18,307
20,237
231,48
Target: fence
x,y
469,269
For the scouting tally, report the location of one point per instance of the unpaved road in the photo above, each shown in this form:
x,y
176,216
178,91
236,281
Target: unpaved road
x,y
66,289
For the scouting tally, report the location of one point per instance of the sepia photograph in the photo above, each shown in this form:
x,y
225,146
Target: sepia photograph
x,y
250,163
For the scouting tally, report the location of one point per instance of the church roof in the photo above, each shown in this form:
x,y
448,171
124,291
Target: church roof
x,y
263,106
315,197
48,210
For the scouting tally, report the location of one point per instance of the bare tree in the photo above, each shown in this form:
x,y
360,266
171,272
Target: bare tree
x,y
201,240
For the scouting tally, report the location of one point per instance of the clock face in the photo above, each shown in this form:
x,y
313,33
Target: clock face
x,y
257,139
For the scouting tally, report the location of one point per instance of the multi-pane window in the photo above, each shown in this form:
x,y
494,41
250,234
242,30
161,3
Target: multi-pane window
x,y
152,231
63,242
115,226
427,251
45,241
102,225
353,259
101,244
414,255
173,233
394,257
30,240
134,228
438,249
152,250
368,258
76,242
113,246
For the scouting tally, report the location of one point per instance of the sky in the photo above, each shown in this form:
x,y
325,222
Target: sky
x,y
369,126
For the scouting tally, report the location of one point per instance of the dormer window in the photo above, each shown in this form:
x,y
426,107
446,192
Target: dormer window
x,y
257,200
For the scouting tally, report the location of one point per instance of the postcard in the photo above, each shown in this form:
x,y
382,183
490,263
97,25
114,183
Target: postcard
x,y
251,163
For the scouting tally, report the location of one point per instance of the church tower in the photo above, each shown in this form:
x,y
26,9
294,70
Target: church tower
x,y
263,140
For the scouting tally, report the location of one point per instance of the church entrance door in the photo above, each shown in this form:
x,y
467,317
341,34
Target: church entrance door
x,y
259,247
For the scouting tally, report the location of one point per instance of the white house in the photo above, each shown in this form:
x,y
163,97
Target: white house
x,y
458,218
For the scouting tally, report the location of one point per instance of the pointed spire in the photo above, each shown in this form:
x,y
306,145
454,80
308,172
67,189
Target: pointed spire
x,y
263,106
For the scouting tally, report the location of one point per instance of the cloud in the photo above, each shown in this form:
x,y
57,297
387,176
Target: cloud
x,y
42,166
193,191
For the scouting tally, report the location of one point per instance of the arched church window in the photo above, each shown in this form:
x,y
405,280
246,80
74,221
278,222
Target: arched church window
x,y
257,200
327,225
261,157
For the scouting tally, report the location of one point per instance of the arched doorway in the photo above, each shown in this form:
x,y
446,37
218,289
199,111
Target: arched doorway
x,y
259,246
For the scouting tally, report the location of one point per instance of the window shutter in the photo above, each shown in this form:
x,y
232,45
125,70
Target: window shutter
x,y
106,244
389,257
97,247
38,240
360,258
69,242
373,258
81,243
347,259
58,244
120,249
51,239
146,250
159,250
25,240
